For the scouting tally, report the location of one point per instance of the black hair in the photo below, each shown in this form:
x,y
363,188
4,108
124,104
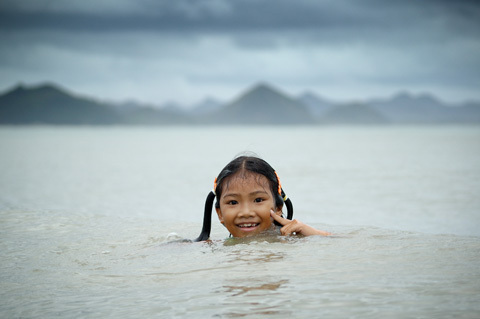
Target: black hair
x,y
249,164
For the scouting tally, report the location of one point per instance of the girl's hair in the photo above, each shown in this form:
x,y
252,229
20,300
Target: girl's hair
x,y
246,164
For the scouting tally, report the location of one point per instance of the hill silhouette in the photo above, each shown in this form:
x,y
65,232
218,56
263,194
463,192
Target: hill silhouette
x,y
409,109
402,108
354,113
262,104
48,104
405,108
147,115
316,105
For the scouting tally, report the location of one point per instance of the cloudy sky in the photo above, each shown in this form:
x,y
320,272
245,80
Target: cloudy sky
x,y
185,50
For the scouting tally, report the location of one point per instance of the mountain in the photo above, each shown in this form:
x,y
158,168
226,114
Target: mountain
x,y
402,108
172,107
354,113
206,106
467,113
154,116
316,105
262,104
405,108
48,104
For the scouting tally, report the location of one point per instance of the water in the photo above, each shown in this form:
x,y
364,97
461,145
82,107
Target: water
x,y
89,219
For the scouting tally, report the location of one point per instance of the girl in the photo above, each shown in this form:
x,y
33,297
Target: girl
x,y
250,200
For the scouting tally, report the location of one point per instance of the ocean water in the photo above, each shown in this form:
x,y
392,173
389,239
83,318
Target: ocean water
x,y
92,223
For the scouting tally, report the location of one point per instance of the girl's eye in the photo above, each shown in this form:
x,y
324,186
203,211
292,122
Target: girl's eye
x,y
232,202
258,200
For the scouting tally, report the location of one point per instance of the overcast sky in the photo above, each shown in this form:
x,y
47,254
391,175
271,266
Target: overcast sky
x,y
185,50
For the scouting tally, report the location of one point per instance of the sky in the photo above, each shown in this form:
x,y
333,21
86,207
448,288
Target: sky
x,y
159,51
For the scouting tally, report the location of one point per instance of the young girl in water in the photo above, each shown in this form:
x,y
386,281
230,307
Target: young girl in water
x,y
250,199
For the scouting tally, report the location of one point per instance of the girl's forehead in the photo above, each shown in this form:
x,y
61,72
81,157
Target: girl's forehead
x,y
246,178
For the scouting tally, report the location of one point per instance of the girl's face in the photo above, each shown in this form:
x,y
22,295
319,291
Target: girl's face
x,y
245,204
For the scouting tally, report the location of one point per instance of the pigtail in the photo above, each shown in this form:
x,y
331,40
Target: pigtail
x,y
284,198
288,203
207,218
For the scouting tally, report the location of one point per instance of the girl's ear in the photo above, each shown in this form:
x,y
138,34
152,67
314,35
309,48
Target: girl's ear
x,y
219,213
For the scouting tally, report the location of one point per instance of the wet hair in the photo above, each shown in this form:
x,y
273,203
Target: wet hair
x,y
243,164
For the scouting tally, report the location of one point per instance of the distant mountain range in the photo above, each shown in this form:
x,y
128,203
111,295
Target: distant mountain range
x,y
260,105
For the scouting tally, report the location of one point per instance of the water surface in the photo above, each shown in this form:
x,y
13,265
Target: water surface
x,y
89,219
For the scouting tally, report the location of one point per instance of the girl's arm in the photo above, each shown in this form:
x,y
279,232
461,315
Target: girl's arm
x,y
295,226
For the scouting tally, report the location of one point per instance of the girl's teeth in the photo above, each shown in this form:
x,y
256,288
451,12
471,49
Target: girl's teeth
x,y
248,225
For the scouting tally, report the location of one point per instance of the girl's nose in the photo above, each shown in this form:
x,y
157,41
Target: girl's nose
x,y
246,211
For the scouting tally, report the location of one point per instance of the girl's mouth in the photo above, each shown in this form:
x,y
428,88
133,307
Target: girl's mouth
x,y
248,226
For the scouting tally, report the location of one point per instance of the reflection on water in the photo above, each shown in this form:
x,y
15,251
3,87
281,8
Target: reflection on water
x,y
239,290
254,299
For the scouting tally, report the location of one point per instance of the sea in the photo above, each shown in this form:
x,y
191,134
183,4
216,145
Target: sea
x,y
97,222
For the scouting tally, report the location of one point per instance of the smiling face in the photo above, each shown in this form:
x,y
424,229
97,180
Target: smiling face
x,y
245,204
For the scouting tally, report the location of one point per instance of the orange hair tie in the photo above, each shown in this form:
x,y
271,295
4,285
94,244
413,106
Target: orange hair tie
x,y
279,184
215,185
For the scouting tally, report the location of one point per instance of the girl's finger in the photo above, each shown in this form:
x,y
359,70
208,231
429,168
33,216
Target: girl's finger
x,y
289,229
279,219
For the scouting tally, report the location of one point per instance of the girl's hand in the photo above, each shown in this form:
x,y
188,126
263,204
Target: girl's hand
x,y
296,227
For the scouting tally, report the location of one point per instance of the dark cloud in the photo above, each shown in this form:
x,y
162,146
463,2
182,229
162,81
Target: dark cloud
x,y
157,49
248,15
